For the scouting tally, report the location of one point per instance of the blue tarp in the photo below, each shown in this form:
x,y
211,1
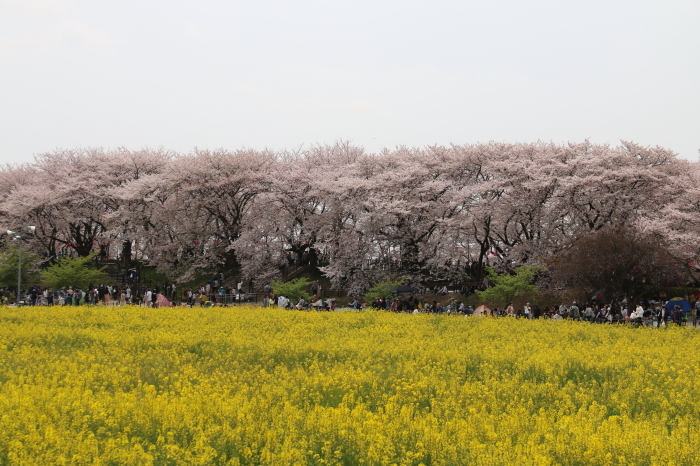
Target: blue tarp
x,y
403,289
685,305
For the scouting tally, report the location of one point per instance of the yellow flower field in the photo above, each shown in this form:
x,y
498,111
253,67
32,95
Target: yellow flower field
x,y
254,386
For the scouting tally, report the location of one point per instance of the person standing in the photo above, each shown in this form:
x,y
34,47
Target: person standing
x,y
563,310
536,312
575,312
77,297
661,317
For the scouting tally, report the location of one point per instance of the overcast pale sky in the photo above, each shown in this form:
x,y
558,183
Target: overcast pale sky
x,y
280,74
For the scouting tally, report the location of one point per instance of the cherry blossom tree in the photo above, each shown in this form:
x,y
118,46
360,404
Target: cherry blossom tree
x,y
677,220
294,219
439,212
187,217
536,198
69,194
61,200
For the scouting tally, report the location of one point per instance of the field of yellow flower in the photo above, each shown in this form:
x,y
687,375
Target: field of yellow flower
x,y
137,386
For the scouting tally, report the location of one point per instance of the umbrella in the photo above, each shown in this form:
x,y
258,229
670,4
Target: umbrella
x,y
483,309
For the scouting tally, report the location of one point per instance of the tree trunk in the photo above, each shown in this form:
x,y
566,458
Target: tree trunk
x,y
126,253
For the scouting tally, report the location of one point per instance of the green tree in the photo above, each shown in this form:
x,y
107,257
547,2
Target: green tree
x,y
8,267
73,271
383,289
507,286
293,289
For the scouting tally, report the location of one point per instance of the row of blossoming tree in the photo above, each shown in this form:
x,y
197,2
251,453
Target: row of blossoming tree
x,y
442,212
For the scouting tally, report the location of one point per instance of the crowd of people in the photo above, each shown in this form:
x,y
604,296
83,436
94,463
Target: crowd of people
x,y
315,303
212,293
650,312
644,313
93,295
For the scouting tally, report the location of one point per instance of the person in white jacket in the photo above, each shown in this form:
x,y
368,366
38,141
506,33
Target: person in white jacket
x,y
637,315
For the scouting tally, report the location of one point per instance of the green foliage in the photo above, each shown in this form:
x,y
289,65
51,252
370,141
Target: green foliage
x,y
73,271
8,267
293,289
506,287
152,275
382,289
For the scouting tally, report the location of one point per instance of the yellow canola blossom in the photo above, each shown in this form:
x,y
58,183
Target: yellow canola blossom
x,y
255,386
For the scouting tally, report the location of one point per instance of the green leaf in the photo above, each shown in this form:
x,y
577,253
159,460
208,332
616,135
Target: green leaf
x,y
507,286
8,267
293,289
382,289
73,271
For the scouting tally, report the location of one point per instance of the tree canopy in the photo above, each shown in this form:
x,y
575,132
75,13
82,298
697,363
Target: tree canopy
x,y
439,212
509,285
293,289
622,263
9,261
383,289
72,271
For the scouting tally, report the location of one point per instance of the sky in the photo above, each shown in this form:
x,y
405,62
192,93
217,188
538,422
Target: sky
x,y
289,74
